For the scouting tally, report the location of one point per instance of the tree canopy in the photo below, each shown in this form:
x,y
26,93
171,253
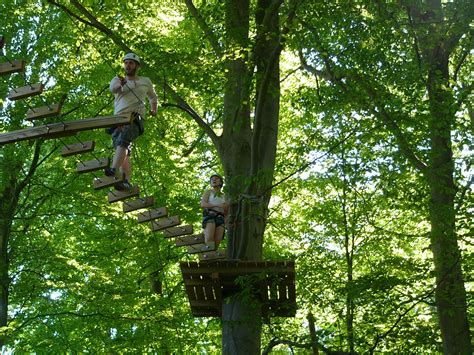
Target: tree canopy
x,y
350,121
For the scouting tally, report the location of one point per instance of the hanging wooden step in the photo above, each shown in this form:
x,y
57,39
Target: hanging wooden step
x,y
192,239
201,248
43,112
177,231
165,223
105,181
17,66
150,215
92,165
77,148
213,255
26,91
129,206
115,196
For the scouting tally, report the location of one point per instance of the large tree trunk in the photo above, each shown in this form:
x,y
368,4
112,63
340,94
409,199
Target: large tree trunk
x,y
450,293
248,156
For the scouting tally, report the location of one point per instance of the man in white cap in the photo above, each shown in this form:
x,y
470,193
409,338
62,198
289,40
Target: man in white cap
x,y
130,94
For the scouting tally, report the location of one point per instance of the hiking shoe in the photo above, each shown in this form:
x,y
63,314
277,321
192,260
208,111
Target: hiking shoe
x,y
109,171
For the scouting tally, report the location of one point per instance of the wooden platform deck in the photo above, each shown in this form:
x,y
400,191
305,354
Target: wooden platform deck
x,y
207,284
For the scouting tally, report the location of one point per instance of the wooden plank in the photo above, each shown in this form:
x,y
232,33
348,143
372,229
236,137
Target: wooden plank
x,y
92,165
26,91
165,223
2,41
186,240
150,215
201,248
129,206
115,196
43,112
60,129
213,255
105,181
15,66
77,148
177,231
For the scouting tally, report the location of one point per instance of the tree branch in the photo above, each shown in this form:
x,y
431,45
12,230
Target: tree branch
x,y
205,28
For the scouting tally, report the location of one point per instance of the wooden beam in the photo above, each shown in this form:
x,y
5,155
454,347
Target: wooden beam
x,y
201,248
129,206
105,181
115,196
16,66
66,128
92,165
165,223
77,148
43,112
26,91
2,41
177,231
150,215
213,255
186,240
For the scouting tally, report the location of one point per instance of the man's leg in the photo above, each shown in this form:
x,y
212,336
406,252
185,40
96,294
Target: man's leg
x,y
119,157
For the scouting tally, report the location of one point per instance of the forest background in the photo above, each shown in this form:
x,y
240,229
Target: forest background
x,y
371,185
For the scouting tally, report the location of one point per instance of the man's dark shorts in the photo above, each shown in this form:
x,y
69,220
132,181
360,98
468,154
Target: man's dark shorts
x,y
125,135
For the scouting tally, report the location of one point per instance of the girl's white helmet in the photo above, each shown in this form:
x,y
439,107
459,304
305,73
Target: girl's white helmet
x,y
132,56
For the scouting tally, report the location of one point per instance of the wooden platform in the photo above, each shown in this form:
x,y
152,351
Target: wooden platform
x,y
207,284
54,130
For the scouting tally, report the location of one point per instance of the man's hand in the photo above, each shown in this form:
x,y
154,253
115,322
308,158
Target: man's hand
x,y
123,81
153,112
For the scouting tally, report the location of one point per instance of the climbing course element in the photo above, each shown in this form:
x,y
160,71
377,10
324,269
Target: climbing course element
x,y
92,165
192,239
177,231
213,255
77,148
16,66
105,181
129,206
152,214
164,223
115,196
208,284
201,248
61,129
25,91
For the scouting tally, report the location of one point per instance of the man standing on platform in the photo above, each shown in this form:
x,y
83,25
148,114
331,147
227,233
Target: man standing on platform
x,y
130,94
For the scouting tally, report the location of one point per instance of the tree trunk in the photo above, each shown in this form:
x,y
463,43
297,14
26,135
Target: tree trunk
x,y
450,293
248,156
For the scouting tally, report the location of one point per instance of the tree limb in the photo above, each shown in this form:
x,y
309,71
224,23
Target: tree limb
x,y
204,27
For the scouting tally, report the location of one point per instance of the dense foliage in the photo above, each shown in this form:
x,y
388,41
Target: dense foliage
x,y
347,204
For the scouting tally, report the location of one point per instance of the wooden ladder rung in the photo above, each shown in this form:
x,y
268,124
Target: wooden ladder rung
x,y
129,206
16,66
213,255
43,112
165,223
92,165
201,248
26,91
115,196
77,148
150,215
177,231
105,181
186,240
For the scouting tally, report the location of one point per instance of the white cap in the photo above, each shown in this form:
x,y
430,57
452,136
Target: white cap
x,y
132,56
